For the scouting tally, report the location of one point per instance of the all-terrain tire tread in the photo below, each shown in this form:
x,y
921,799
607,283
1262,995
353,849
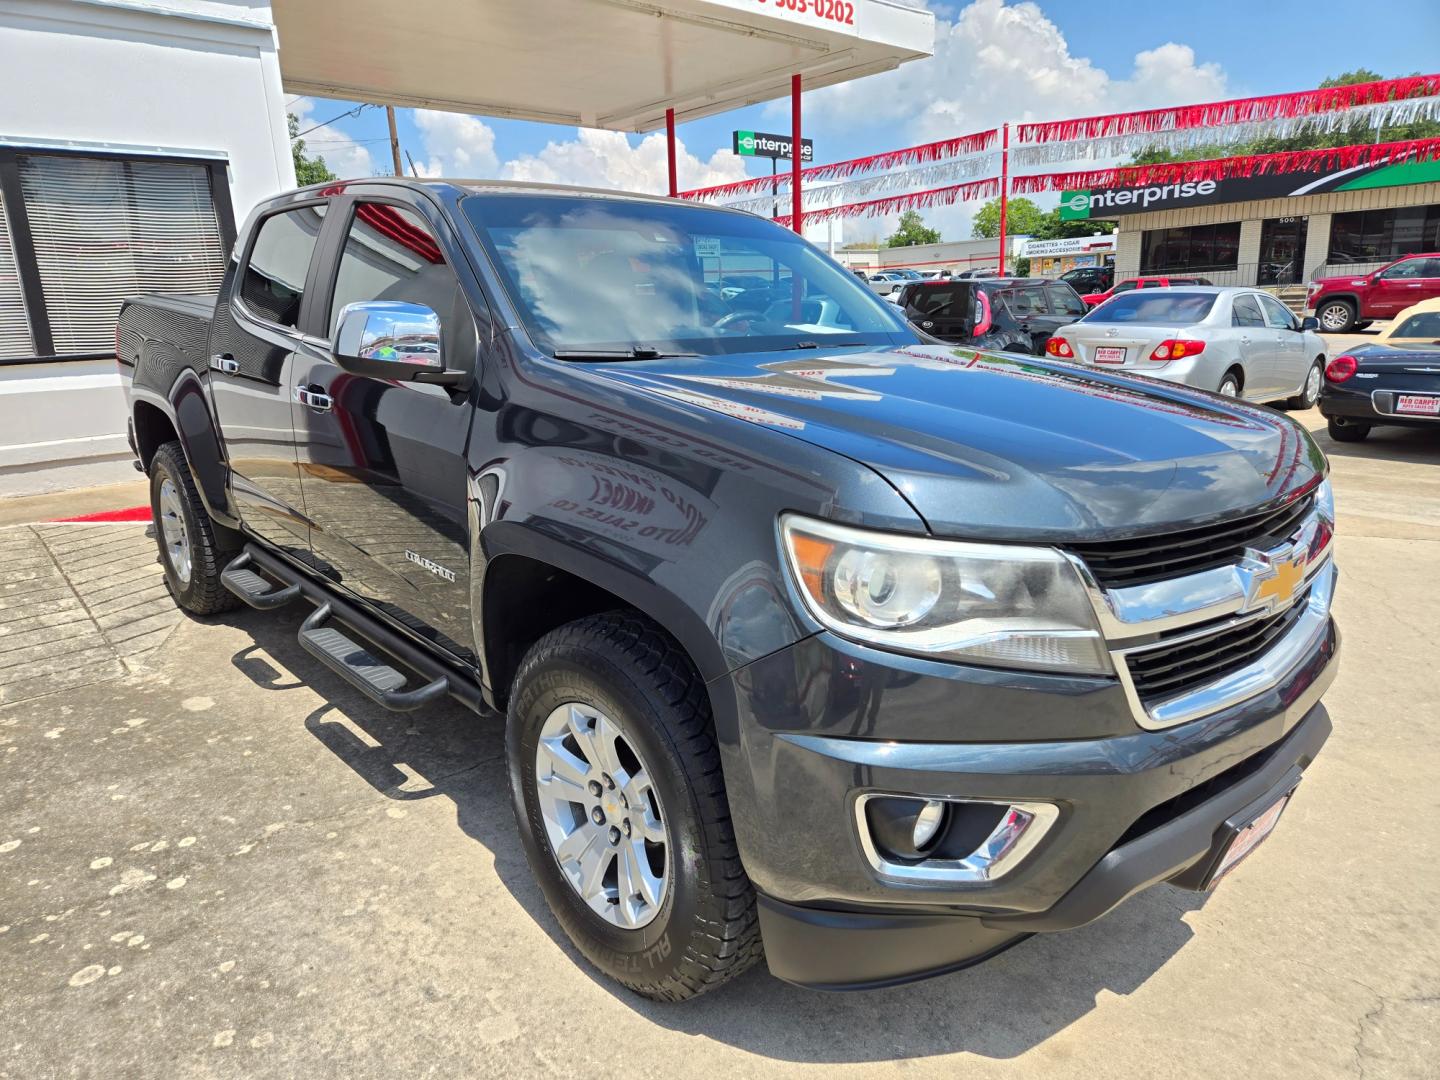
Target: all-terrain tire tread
x,y
213,546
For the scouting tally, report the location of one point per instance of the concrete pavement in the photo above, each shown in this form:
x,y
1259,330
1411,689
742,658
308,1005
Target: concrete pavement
x,y
217,861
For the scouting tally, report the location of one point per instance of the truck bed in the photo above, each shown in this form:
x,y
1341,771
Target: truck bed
x,y
159,335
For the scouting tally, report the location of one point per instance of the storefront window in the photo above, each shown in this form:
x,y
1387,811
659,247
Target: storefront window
x,y
1201,247
1377,235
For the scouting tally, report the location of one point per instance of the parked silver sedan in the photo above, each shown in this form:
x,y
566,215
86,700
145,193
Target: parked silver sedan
x,y
1235,341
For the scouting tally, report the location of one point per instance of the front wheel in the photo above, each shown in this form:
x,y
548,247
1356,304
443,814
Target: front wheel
x,y
1351,432
616,785
1336,316
193,549
1310,391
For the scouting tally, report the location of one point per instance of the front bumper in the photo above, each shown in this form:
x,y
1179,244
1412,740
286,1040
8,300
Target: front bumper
x,y
825,721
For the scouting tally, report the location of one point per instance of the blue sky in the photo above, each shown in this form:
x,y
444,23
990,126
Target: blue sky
x,y
994,61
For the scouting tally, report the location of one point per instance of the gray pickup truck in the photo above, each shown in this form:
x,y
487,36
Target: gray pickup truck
x,y
813,638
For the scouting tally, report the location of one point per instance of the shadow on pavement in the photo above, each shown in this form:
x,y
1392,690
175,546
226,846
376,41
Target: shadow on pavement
x,y
1417,446
999,1010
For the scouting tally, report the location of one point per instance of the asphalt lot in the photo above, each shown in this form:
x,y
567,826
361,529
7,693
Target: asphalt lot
x,y
217,861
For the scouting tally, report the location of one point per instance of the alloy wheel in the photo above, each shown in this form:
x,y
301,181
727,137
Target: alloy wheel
x,y
1312,386
602,815
172,528
1335,317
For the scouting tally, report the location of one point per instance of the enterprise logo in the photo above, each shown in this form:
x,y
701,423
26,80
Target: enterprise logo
x,y
1083,204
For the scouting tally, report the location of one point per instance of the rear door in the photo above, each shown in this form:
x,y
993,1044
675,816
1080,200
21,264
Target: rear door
x,y
383,463
253,345
1255,345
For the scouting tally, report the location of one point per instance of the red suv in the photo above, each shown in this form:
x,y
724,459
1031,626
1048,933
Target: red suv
x,y
1350,303
1096,299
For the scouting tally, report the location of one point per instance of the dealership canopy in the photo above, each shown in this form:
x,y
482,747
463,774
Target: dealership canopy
x,y
617,64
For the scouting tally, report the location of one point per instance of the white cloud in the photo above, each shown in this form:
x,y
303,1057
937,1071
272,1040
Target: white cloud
x,y
605,159
455,145
346,158
997,62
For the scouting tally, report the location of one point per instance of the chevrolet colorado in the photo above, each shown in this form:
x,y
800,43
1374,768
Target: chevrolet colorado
x,y
815,638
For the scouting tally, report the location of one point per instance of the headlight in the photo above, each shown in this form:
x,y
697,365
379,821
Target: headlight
x,y
1325,500
1015,607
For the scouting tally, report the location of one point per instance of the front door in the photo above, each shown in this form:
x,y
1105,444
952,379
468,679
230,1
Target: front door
x,y
252,346
1282,250
1291,363
383,463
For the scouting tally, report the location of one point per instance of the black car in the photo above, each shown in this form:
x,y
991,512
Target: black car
x,y
810,638
1378,385
1008,314
1089,279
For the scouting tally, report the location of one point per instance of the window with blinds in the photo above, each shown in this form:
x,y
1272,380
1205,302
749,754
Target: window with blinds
x,y
15,337
105,229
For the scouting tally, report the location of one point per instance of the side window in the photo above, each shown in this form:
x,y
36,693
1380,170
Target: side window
x,y
1125,286
1064,300
391,254
1276,313
273,281
1246,312
1410,268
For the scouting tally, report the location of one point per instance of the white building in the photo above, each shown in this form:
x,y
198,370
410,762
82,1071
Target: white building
x,y
134,135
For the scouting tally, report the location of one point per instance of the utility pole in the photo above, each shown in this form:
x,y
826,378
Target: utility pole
x,y
394,140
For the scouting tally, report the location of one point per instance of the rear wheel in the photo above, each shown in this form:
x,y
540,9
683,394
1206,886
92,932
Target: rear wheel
x,y
1229,385
193,549
1347,431
1310,391
1336,316
616,784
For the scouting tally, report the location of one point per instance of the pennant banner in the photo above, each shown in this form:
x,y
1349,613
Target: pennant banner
x,y
930,177
1335,157
891,159
915,200
1237,111
1375,116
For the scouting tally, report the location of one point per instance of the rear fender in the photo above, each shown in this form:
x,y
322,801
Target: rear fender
x,y
196,427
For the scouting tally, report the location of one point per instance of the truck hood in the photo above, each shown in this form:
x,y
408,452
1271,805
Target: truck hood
x,y
996,446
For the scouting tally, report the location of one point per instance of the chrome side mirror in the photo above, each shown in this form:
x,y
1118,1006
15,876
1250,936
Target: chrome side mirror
x,y
391,339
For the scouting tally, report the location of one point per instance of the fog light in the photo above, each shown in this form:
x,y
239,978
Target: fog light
x,y
927,823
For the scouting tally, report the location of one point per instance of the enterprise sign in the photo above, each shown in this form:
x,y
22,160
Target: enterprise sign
x,y
763,144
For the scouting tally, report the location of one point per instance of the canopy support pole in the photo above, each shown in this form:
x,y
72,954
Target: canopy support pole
x,y
1004,190
670,151
796,219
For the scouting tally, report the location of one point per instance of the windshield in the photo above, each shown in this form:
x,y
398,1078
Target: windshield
x,y
617,277
1154,308
1424,325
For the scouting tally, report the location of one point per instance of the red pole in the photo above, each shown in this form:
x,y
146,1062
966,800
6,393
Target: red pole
x,y
670,150
797,221
1004,190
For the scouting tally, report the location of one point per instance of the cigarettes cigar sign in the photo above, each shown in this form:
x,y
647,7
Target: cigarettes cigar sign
x,y
763,144
1101,203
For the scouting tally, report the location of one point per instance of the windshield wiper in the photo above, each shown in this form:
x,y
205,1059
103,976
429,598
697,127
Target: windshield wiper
x,y
816,345
634,352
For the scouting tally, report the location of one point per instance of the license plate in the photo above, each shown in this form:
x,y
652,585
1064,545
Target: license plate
x,y
1109,354
1249,838
1418,405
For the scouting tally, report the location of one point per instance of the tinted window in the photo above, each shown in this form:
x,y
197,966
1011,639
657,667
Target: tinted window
x,y
1159,308
605,275
1027,301
1201,247
1414,268
1276,313
1245,311
1424,325
1064,300
1126,286
273,283
936,302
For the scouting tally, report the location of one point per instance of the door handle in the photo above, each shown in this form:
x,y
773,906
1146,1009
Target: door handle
x,y
313,399
1244,339
226,363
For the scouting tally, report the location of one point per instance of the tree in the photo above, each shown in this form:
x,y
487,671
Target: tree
x,y
1024,218
912,230
1308,139
308,170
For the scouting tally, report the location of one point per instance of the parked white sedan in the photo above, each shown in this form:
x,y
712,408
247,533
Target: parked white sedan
x,y
1237,342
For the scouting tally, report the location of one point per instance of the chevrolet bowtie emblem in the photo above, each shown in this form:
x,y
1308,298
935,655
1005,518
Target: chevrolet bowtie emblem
x,y
1272,578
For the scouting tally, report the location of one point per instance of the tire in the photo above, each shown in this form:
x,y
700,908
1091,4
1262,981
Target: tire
x,y
1363,324
1310,391
627,678
1336,316
1351,432
207,547
1229,385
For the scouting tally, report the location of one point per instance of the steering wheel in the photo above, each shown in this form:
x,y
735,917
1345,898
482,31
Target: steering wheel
x,y
753,322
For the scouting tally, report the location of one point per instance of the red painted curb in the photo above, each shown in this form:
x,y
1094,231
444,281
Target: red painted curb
x,y
132,513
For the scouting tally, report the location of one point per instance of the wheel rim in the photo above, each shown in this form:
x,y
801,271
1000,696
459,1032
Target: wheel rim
x,y
1312,385
602,815
172,529
1335,317
1229,388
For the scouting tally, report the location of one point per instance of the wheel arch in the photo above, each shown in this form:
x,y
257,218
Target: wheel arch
x,y
198,433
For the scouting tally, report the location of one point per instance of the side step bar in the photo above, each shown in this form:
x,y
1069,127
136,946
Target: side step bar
x,y
332,646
